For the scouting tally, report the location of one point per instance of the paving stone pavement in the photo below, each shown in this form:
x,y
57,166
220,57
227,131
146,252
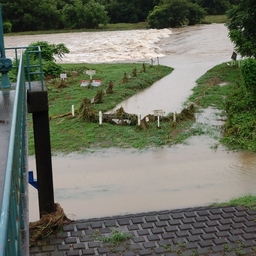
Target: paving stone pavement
x,y
207,231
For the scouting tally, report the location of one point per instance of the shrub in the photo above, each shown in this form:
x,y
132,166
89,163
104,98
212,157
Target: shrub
x,y
249,75
7,27
175,13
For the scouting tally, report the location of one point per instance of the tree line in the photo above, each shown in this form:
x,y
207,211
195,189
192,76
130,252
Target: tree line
x,y
35,15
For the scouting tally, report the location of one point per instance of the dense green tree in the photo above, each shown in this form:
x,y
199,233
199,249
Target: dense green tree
x,y
175,13
249,75
196,14
24,16
49,54
241,25
50,51
128,11
84,15
159,17
122,11
214,7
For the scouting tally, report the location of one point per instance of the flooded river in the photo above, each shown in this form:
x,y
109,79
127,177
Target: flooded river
x,y
113,181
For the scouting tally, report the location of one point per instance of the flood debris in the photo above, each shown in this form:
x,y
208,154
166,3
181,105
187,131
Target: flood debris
x,y
48,225
143,67
98,97
134,72
86,112
62,84
120,117
124,79
110,88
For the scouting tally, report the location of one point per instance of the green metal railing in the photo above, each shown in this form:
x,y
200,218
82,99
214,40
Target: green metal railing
x,y
13,219
32,68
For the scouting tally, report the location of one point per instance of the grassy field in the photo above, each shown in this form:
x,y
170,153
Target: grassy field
x,y
68,134
215,19
77,134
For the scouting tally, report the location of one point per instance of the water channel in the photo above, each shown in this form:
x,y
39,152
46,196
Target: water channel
x,y
113,181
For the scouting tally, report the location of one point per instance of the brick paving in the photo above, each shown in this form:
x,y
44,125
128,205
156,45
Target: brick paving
x,y
214,231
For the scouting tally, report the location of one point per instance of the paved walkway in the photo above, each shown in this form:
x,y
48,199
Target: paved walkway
x,y
185,232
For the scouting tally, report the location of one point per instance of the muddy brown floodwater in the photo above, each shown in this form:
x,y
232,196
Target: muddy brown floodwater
x,y
115,181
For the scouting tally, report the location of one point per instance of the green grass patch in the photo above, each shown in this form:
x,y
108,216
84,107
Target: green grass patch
x,y
222,87
75,134
215,19
246,201
214,86
115,238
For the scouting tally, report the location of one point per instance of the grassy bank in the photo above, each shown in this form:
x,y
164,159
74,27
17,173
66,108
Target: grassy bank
x,y
118,26
222,87
218,88
215,19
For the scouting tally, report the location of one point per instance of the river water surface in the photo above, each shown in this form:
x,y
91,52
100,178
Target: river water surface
x,y
114,181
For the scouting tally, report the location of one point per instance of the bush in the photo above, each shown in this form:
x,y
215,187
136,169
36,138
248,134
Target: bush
x,y
79,15
175,13
48,51
249,75
196,14
7,27
159,17
51,68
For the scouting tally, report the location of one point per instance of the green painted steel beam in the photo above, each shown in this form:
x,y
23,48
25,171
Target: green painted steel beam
x,y
5,63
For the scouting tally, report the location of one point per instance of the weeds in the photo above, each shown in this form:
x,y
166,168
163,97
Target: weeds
x,y
167,247
227,247
116,238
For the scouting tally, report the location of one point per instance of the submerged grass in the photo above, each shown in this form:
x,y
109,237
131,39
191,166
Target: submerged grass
x,y
223,88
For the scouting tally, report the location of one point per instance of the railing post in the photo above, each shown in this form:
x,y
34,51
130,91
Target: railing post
x,y
5,63
38,106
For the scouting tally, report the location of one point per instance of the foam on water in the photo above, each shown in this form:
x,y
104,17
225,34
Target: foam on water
x,y
96,47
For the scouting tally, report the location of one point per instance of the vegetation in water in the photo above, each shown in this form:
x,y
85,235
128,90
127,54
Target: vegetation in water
x,y
223,87
246,201
220,88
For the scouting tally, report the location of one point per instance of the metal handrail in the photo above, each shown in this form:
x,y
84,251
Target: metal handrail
x,y
14,208
29,50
